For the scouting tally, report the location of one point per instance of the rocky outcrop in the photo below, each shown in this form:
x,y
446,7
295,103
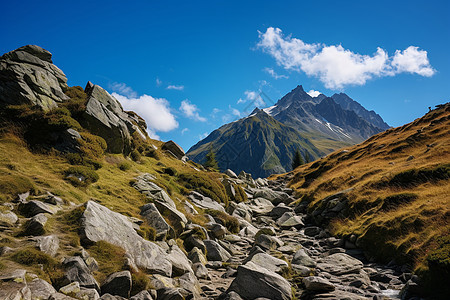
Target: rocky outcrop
x,y
105,117
28,76
174,149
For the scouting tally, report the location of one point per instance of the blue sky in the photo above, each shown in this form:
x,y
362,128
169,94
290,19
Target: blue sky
x,y
188,63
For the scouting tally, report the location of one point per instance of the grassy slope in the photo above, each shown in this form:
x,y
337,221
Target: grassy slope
x,y
378,171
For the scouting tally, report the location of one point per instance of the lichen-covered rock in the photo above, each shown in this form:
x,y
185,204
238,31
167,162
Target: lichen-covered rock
x,y
47,244
40,289
215,252
269,262
98,223
253,281
28,76
339,264
151,214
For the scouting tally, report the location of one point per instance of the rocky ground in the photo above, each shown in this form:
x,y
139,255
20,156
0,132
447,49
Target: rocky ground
x,y
277,254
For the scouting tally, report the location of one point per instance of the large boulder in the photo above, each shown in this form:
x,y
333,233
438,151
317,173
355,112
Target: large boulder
x,y
28,76
339,264
76,270
204,202
98,223
118,283
174,149
151,214
269,262
253,281
215,252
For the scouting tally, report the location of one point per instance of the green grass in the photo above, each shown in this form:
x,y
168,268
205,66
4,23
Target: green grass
x,y
110,259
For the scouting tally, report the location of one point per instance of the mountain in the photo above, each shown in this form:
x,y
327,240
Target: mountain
x,y
257,144
316,125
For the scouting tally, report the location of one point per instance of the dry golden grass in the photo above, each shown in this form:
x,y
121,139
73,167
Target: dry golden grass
x,y
377,171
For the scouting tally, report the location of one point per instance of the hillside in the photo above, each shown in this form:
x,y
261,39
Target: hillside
x,y
389,194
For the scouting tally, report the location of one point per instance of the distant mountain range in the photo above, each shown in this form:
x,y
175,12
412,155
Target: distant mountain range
x,y
264,142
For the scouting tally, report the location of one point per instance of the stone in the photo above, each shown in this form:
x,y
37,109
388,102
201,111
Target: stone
x,y
197,256
174,149
253,281
8,218
118,283
218,231
48,244
303,259
317,284
294,222
286,216
35,226
215,252
269,262
268,242
40,289
70,289
190,209
60,296
76,270
200,270
99,223
145,185
11,290
17,275
302,270
170,294
260,206
188,282
142,295
231,296
151,214
111,297
87,294
204,202
243,211
339,264
193,241
279,210
312,231
230,173
28,76
273,196
178,219
179,261
34,207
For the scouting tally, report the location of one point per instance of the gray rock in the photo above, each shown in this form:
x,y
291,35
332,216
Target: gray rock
x,y
87,294
174,149
17,275
261,206
339,264
231,296
48,244
145,185
35,226
275,197
8,219
312,230
40,289
302,270
286,216
204,202
76,270
170,294
11,290
143,295
179,261
151,214
230,173
28,76
178,219
218,231
188,282
111,297
253,281
243,211
99,223
303,259
215,252
268,242
200,270
269,262
71,289
34,207
294,222
280,210
197,256
192,242
190,208
118,283
318,284
59,296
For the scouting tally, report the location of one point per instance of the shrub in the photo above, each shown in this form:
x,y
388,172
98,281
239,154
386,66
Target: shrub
x,y
140,282
77,102
125,166
170,171
231,223
205,185
240,196
92,146
89,175
135,155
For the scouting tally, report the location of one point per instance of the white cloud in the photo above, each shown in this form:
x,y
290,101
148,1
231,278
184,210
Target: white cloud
x,y
123,89
202,136
252,96
191,111
175,87
184,130
272,73
216,110
412,60
235,112
314,93
155,111
158,82
337,67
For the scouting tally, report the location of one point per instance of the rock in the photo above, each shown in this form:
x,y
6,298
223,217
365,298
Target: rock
x,y
151,214
143,295
230,173
312,230
339,264
99,223
197,256
188,282
48,244
8,219
253,281
268,242
52,199
286,216
231,296
269,262
218,231
261,206
178,219
170,294
243,211
28,76
70,289
318,284
302,270
200,270
190,209
91,263
179,261
174,149
76,270
279,210
87,294
145,185
34,207
118,283
192,242
303,259
294,222
215,252
204,202
35,226
40,289
273,196
59,296
17,275
111,297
